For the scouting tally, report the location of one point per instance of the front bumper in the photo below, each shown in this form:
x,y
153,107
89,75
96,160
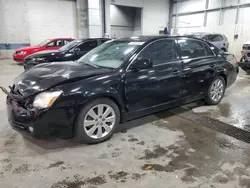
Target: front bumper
x,y
40,124
18,58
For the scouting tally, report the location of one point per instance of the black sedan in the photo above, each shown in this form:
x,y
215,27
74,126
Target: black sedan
x,y
117,81
70,52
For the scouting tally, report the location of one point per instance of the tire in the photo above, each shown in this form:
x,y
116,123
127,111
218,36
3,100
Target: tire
x,y
210,98
88,132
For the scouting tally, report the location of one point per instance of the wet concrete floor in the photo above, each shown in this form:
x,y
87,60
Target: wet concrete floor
x,y
163,150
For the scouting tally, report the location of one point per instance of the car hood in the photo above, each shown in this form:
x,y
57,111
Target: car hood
x,y
43,53
46,76
47,52
27,48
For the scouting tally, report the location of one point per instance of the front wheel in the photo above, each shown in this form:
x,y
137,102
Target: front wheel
x,y
216,91
97,121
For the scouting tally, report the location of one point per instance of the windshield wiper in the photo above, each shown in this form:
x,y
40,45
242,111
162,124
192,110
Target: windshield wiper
x,y
92,65
106,67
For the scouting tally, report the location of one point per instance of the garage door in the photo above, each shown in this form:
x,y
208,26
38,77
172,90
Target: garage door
x,y
51,18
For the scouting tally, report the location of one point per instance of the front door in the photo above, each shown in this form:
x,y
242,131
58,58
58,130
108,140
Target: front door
x,y
199,65
157,85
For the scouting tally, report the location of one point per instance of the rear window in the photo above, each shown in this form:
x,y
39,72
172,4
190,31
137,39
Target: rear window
x,y
214,48
215,38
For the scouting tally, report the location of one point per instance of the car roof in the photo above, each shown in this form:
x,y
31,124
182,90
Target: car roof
x,y
145,38
63,38
92,38
203,33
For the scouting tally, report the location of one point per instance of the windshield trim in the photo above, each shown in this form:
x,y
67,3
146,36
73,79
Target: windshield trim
x,y
77,42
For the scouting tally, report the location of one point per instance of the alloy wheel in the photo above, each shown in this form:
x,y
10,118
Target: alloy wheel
x,y
99,121
217,90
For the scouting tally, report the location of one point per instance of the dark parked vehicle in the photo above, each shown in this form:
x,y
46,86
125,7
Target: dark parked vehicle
x,y
70,52
219,40
117,81
245,57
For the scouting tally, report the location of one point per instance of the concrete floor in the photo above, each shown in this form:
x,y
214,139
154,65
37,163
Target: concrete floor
x,y
158,151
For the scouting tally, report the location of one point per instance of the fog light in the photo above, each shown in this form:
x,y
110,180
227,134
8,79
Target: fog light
x,y
31,129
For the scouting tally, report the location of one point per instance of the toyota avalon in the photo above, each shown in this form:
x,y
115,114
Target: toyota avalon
x,y
117,81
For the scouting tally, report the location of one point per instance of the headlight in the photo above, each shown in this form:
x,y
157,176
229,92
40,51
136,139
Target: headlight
x,y
21,52
46,99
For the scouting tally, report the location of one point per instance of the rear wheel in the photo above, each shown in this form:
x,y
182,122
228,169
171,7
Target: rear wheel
x,y
216,91
97,121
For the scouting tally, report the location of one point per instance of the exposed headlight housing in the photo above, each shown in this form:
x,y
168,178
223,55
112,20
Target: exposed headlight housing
x,y
39,59
46,99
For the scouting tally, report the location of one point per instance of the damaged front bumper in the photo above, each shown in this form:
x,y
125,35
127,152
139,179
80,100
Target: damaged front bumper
x,y
37,123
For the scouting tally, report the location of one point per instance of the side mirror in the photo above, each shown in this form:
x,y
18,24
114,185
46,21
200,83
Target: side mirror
x,y
142,64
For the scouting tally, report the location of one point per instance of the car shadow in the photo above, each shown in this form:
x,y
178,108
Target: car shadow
x,y
57,144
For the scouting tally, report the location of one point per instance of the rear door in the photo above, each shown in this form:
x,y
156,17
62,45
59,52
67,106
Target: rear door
x,y
199,64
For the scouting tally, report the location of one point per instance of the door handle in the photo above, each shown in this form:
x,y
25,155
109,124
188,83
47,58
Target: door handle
x,y
187,69
187,72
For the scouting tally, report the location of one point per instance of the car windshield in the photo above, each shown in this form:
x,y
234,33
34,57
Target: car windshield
x,y
70,45
44,42
110,54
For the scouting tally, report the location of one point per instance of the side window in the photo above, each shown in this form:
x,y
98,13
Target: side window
x,y
208,51
215,38
87,46
101,41
67,41
160,52
51,44
191,48
55,43
59,43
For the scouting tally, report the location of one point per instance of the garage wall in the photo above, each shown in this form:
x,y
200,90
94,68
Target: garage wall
x,y
51,18
31,21
137,24
217,21
122,20
152,20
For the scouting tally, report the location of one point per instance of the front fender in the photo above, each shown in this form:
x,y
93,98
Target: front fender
x,y
79,93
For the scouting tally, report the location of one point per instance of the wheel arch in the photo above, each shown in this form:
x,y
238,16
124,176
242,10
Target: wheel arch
x,y
224,76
